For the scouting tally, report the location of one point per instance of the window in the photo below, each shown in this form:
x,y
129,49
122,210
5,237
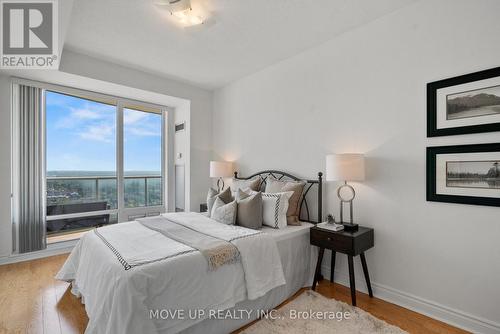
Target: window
x,y
142,158
104,160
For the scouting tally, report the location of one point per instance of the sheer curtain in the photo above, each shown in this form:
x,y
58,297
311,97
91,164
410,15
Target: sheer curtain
x,y
28,168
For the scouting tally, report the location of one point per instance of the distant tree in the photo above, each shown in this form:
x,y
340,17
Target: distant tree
x,y
493,172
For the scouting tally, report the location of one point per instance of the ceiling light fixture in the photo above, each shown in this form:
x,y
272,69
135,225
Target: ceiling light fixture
x,y
182,11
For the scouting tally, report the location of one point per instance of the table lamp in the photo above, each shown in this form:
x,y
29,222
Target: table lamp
x,y
221,169
346,167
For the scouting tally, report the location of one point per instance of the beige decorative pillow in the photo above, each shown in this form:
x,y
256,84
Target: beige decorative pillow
x,y
276,186
249,210
212,195
253,184
224,213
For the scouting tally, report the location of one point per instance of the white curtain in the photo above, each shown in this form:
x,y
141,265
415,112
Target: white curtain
x,y
29,212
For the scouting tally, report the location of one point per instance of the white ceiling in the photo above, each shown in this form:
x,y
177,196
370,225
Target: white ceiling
x,y
248,35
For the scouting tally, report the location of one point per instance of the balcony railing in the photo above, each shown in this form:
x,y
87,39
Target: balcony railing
x,y
78,202
139,190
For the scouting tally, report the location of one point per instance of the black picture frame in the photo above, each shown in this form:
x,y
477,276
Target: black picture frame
x,y
432,87
433,151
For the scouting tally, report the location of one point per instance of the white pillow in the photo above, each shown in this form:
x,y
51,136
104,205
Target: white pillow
x,y
224,213
274,208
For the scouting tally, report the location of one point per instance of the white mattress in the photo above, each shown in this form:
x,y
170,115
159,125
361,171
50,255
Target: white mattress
x,y
298,259
289,232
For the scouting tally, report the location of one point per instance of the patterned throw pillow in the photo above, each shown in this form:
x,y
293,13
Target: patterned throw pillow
x,y
212,195
274,208
224,213
276,186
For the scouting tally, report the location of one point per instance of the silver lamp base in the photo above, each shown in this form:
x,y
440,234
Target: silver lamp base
x,y
348,226
220,184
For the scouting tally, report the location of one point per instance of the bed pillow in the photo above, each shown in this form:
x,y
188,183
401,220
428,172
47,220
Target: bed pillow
x,y
224,213
249,209
212,195
277,186
274,208
253,184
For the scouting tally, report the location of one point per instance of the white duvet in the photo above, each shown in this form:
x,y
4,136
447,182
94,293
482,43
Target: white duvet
x,y
122,301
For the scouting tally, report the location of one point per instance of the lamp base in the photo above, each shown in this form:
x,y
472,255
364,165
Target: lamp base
x,y
350,227
219,181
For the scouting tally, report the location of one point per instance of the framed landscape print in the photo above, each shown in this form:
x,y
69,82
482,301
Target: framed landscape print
x,y
466,104
468,174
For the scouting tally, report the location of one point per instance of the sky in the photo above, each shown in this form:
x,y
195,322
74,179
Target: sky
x,y
81,135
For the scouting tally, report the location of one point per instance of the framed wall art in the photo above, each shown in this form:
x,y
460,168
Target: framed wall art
x,y
465,104
467,174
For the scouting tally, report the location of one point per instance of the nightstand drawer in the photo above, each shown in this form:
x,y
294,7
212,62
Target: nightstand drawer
x,y
329,240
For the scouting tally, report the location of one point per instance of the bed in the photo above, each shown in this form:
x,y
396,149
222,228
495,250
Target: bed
x,y
134,280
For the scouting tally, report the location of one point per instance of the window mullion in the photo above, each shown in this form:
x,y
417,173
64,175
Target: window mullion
x,y
163,158
119,162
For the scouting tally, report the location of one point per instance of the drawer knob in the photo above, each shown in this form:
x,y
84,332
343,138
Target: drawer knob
x,y
329,239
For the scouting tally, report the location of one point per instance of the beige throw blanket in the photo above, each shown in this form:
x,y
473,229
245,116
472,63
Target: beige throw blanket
x,y
217,251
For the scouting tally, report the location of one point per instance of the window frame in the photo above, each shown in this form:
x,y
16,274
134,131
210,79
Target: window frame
x,y
124,214
131,213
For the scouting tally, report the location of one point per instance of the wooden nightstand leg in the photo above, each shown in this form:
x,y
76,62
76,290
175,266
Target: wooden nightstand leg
x,y
351,279
332,266
367,276
317,272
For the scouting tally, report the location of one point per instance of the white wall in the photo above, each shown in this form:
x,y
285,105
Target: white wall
x,y
181,157
5,181
364,91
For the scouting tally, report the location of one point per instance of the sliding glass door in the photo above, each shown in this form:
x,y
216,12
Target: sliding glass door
x,y
143,158
104,160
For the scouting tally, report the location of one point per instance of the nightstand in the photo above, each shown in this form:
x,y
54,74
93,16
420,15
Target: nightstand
x,y
350,243
203,207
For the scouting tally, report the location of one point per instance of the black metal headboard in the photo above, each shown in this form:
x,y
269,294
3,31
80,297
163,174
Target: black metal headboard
x,y
303,215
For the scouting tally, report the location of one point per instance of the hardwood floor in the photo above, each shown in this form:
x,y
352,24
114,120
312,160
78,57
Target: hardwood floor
x,y
32,301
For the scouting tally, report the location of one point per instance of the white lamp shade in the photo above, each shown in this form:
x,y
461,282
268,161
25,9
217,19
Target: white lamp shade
x,y
221,169
345,167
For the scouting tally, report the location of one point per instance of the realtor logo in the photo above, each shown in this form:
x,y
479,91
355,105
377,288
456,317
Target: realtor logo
x,y
29,34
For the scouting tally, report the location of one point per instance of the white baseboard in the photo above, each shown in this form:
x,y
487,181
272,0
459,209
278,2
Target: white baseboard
x,y
51,250
429,308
